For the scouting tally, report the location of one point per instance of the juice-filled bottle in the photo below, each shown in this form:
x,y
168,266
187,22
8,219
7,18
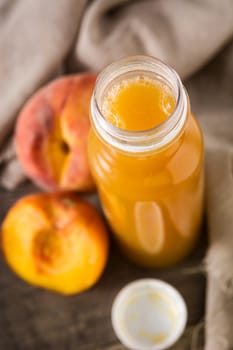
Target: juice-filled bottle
x,y
146,155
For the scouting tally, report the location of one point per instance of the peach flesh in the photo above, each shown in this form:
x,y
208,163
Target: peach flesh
x,y
55,241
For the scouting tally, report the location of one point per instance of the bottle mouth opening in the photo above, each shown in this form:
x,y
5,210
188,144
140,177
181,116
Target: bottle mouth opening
x,y
140,140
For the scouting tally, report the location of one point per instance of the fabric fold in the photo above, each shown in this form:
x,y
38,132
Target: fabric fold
x,y
34,42
185,34
219,261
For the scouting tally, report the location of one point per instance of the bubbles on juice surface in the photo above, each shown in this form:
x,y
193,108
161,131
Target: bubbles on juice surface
x,y
138,103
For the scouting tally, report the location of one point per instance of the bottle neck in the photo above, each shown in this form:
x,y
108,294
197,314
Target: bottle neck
x,y
152,139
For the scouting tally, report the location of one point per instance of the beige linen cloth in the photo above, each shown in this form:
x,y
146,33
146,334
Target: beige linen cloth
x,y
41,39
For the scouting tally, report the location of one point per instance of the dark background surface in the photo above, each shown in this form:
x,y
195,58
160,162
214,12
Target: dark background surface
x,y
35,319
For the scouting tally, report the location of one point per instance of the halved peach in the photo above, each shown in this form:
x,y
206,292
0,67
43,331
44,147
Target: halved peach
x,y
51,134
55,241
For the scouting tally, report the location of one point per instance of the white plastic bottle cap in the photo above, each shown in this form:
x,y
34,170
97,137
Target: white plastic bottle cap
x,y
148,314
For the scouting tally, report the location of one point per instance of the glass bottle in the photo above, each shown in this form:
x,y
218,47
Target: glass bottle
x,y
151,181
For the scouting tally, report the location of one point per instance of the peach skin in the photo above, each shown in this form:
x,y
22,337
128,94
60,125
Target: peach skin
x,y
55,241
52,131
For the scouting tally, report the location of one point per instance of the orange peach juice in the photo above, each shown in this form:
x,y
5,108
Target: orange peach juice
x,y
153,200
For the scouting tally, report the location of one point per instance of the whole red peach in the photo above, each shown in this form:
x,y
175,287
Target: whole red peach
x,y
51,134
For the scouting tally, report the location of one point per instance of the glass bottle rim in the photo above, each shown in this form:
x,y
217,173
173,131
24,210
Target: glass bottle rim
x,y
142,140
